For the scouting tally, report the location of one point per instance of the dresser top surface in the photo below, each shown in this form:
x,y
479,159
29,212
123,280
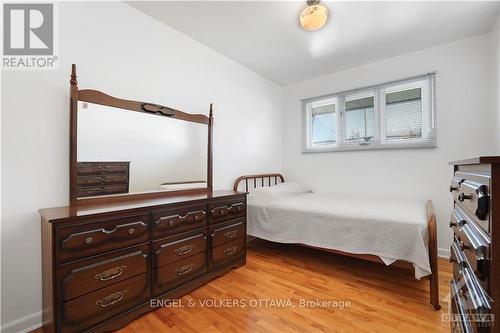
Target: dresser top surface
x,y
477,160
59,214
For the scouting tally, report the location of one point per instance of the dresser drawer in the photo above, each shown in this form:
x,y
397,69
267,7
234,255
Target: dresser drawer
x,y
227,252
102,167
84,276
101,190
103,179
226,210
475,198
473,242
467,229
459,322
169,250
474,299
178,220
93,238
86,311
227,232
170,276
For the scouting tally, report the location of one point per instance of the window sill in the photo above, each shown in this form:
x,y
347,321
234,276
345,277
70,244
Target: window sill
x,y
373,146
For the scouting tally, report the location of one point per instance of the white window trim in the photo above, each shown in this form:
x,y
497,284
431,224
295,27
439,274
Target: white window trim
x,y
378,91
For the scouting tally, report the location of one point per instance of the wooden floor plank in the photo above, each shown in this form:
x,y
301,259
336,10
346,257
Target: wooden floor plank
x,y
383,299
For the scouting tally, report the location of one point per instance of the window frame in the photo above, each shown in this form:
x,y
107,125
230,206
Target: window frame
x,y
309,106
425,82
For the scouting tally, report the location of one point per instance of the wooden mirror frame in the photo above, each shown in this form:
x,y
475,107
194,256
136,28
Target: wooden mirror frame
x,y
98,97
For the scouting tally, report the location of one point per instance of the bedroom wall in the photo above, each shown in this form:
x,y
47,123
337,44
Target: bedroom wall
x,y
466,105
124,53
496,36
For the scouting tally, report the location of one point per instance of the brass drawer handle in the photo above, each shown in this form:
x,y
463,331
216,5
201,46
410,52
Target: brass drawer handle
x,y
89,240
230,234
174,220
131,231
184,249
230,251
184,269
111,299
111,273
230,208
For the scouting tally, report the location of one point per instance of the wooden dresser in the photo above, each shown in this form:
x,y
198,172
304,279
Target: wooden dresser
x,y
102,178
475,251
103,264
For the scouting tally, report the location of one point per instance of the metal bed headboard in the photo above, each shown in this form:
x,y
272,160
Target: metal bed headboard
x,y
266,179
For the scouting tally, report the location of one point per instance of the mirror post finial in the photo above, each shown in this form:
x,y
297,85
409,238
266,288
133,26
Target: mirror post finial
x,y
73,80
211,112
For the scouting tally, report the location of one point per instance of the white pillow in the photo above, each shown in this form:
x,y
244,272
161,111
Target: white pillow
x,y
265,195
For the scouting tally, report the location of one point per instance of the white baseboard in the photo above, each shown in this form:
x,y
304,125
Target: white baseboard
x,y
24,324
444,253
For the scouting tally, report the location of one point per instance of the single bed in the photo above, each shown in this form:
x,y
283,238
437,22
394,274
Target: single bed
x,y
399,232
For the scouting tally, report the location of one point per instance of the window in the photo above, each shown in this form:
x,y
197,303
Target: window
x,y
359,114
324,122
392,115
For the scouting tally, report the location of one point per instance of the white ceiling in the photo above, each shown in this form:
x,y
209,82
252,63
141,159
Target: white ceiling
x,y
266,37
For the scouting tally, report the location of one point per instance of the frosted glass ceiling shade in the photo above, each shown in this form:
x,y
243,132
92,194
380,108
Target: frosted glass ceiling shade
x,y
314,16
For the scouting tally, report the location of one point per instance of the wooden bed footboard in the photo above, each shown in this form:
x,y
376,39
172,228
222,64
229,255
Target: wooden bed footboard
x,y
270,179
433,256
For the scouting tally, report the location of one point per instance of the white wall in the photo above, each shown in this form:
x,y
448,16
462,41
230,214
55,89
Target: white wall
x,y
126,54
466,96
496,36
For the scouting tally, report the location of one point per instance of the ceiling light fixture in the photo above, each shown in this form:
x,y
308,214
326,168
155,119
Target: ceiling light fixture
x,y
314,16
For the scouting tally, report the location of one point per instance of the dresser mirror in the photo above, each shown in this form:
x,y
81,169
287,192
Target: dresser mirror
x,y
130,149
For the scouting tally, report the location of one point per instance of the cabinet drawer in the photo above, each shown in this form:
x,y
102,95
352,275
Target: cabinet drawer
x,y
474,299
170,276
178,220
93,238
102,190
86,311
102,167
103,179
91,274
459,323
228,232
227,252
473,242
169,250
475,198
226,210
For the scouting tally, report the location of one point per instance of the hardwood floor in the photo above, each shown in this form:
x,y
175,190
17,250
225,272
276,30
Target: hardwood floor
x,y
269,289
383,299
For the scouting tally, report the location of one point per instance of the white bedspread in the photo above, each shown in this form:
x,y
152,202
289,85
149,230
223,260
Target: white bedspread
x,y
389,229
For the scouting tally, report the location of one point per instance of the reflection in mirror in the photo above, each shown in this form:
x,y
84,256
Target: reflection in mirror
x,y
121,151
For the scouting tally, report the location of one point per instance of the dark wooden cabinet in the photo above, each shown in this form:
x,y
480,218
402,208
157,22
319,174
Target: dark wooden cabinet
x,y
474,252
102,178
102,265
